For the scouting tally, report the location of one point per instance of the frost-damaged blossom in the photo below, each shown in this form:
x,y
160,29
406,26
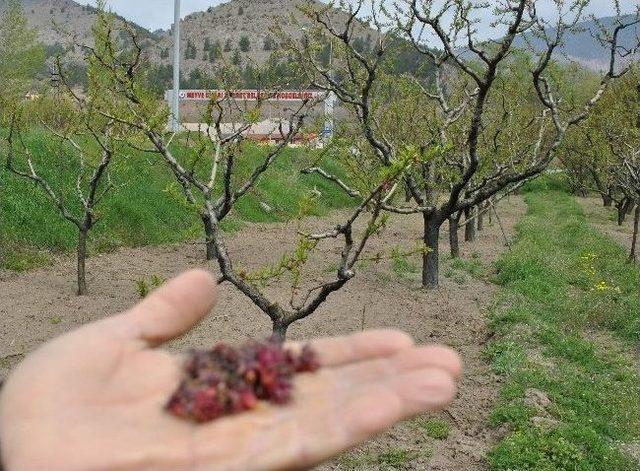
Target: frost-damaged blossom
x,y
227,380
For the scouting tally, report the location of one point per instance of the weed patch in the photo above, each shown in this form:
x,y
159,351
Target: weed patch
x,y
435,428
566,314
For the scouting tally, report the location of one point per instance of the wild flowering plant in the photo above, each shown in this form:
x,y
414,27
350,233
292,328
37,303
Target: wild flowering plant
x,y
588,262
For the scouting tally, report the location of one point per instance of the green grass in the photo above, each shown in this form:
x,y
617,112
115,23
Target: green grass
x,y
391,458
402,264
146,207
435,428
473,267
567,323
396,458
20,258
460,269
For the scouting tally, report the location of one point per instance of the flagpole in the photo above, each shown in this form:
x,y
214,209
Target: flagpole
x,y
175,109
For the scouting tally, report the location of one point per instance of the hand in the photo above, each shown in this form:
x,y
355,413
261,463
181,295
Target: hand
x,y
93,399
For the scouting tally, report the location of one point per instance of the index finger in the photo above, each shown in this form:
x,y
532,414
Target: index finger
x,y
371,344
170,311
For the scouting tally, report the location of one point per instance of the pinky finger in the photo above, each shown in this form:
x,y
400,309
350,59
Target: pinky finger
x,y
398,399
368,411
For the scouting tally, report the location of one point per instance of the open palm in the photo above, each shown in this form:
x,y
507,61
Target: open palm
x,y
94,398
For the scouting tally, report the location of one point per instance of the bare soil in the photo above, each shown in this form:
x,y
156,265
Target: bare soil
x,y
39,305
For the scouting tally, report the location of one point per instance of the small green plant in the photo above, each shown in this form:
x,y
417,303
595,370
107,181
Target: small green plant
x,y
55,319
396,458
353,461
460,278
143,288
436,428
157,281
457,263
400,263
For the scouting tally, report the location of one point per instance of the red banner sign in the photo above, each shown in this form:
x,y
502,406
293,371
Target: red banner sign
x,y
249,95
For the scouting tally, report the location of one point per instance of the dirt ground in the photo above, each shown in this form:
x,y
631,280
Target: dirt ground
x,y
605,220
39,305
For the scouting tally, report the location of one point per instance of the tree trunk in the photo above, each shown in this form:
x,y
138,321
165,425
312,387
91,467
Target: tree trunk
x,y
634,242
430,261
604,192
481,212
280,331
470,224
407,193
82,257
623,209
208,231
454,241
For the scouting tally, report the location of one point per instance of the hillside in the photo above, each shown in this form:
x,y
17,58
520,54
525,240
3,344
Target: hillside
x,y
62,24
583,47
235,32
239,31
238,27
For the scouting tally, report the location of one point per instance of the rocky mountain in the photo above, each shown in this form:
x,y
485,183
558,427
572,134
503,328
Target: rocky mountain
x,y
59,21
63,24
235,30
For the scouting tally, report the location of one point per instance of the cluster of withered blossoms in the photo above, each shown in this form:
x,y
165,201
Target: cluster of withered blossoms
x,y
227,380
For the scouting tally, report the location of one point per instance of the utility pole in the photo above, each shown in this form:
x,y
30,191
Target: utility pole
x,y
329,106
175,108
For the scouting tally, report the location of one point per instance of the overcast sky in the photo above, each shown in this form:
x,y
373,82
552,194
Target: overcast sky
x,y
156,14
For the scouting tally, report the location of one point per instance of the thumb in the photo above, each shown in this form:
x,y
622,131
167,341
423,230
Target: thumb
x,y
171,310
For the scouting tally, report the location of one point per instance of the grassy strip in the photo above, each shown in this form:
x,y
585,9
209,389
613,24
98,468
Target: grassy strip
x,y
146,207
567,326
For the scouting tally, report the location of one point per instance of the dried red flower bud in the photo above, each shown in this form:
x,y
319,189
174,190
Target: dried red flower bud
x,y
227,380
307,361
